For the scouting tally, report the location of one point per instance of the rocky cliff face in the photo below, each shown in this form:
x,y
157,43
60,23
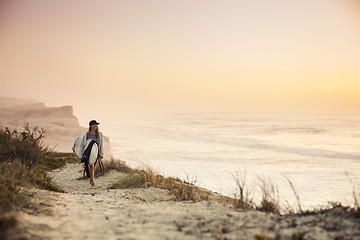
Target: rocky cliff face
x,y
60,124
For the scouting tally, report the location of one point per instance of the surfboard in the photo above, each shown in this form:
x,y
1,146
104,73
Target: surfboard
x,y
76,146
94,151
93,154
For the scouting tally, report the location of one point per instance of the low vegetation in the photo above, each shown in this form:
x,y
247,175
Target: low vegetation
x,y
148,177
24,162
243,199
113,165
270,200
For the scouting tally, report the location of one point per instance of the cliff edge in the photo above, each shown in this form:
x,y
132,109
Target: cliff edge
x,y
60,123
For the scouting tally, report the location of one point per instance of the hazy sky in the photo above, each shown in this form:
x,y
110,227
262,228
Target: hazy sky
x,y
108,57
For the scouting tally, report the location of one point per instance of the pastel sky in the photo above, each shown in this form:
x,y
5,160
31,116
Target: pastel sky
x,y
182,56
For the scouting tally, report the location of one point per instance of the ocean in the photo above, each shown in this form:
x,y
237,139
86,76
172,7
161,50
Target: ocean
x,y
317,152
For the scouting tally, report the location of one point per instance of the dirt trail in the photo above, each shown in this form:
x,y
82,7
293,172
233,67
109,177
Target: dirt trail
x,y
87,212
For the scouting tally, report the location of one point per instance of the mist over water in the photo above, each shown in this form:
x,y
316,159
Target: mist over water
x,y
314,151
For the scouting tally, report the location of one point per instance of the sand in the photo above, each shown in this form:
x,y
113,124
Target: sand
x,y
86,212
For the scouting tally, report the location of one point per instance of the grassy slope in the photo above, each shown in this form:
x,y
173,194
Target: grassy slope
x,y
24,162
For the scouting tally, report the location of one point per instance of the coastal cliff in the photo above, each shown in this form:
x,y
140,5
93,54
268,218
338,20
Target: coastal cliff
x,y
60,123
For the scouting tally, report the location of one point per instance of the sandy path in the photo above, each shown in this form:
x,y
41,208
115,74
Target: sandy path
x,y
86,212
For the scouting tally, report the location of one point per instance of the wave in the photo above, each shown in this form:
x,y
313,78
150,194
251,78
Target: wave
x,y
309,152
245,142
308,130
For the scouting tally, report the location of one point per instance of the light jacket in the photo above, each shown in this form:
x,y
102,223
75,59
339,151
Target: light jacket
x,y
101,144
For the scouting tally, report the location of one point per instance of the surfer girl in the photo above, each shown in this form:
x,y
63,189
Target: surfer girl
x,y
93,134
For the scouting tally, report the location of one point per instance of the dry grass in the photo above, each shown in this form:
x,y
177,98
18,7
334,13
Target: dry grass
x,y
296,196
243,200
270,195
113,164
148,177
356,201
270,200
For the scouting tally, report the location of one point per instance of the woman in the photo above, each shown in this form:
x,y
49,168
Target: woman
x,y
96,135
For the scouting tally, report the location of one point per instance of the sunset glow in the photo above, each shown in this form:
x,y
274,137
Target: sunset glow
x,y
183,55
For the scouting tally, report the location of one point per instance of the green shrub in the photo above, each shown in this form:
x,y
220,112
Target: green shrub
x,y
26,146
24,162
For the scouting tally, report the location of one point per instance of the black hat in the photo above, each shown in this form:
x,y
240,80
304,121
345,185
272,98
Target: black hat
x,y
93,122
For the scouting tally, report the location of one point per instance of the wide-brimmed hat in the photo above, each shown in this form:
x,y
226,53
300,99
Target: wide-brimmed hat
x,y
93,122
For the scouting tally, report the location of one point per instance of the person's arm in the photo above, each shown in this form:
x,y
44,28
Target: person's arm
x,y
82,144
101,146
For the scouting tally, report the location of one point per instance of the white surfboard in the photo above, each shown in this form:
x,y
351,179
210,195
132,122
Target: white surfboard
x,y
94,151
93,154
76,147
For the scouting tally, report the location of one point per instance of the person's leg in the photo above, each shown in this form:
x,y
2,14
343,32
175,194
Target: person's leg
x,y
92,172
92,168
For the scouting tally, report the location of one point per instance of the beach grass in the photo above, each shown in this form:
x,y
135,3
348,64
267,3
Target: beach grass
x,y
113,164
148,177
270,198
243,199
